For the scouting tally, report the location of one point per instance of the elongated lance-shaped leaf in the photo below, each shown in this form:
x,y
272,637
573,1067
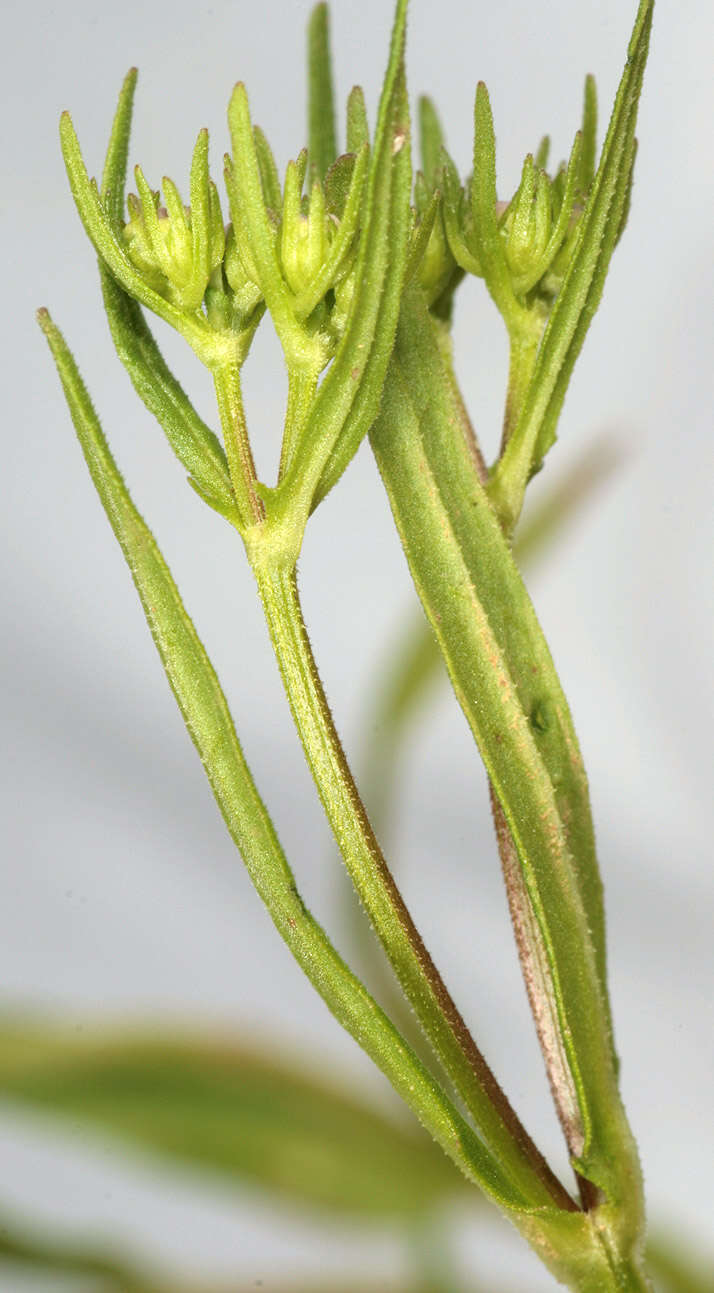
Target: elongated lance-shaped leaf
x,y
194,444
489,247
251,220
205,712
581,290
348,398
197,448
209,1102
504,679
322,127
103,235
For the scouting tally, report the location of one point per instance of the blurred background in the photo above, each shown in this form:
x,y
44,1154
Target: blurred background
x,y
122,898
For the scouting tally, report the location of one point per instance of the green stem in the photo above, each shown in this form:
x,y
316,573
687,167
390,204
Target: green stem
x,y
524,343
302,384
226,379
443,1025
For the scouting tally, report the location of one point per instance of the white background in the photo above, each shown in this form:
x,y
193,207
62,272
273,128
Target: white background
x,y
121,895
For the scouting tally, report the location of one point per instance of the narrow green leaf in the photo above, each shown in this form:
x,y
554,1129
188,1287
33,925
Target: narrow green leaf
x,y
208,1102
582,287
588,160
194,444
504,679
357,124
348,398
322,130
116,160
200,219
251,220
431,138
488,242
205,712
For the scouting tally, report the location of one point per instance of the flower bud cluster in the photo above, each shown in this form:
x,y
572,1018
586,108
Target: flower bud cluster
x,y
187,256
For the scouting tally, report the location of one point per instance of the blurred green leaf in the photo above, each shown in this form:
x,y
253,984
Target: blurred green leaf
x,y
216,1105
679,1268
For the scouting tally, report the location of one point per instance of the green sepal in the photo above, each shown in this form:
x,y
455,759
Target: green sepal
x,y
269,177
453,208
524,283
338,181
420,236
542,153
357,124
582,287
348,398
322,128
313,293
